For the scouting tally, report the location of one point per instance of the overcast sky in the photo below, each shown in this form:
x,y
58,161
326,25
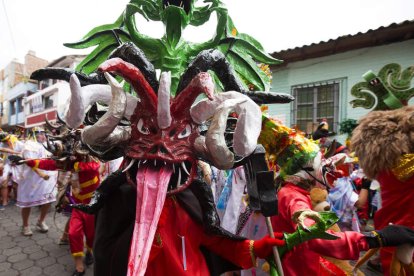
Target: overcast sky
x,y
44,25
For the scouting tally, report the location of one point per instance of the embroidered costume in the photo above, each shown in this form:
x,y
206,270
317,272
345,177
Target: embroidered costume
x,y
34,190
80,224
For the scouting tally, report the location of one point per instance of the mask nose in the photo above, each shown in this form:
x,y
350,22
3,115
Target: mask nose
x,y
158,149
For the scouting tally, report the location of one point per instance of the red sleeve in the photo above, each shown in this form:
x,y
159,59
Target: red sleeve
x,y
298,202
86,166
48,165
236,252
347,247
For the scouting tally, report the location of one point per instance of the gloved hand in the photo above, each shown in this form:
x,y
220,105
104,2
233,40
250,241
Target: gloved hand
x,y
391,235
263,248
15,159
366,183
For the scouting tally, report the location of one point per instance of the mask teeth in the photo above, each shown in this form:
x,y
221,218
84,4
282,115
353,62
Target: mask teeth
x,y
184,168
179,178
130,165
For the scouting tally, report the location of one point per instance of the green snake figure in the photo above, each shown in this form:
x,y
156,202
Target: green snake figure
x,y
389,90
171,52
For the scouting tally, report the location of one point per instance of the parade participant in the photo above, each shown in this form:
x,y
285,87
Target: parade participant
x,y
384,145
84,181
35,187
156,216
10,144
85,171
162,252
303,167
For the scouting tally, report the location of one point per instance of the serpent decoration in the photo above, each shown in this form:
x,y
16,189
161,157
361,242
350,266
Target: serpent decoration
x,y
390,89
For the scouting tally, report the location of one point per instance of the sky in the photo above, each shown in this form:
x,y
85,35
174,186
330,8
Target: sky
x,y
44,25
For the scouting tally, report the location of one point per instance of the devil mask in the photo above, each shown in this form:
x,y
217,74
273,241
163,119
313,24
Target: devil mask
x,y
162,142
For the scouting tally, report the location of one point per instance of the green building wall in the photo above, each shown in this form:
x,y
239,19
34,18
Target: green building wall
x,y
347,67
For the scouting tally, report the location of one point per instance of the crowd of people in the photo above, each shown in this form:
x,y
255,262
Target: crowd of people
x,y
32,177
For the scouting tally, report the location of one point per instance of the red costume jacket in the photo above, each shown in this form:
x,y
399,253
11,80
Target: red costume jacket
x,y
166,257
88,176
397,208
305,259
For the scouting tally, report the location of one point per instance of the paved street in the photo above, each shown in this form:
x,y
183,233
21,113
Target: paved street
x,y
36,255
39,254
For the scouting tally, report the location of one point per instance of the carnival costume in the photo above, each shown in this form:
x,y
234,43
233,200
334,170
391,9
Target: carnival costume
x,y
156,215
35,187
284,145
384,145
80,224
10,144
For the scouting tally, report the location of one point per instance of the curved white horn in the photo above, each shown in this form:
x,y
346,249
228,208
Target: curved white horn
x,y
82,97
221,156
101,130
76,111
163,108
248,128
249,123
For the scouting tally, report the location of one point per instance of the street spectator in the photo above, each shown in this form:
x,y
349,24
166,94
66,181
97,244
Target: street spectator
x,y
36,187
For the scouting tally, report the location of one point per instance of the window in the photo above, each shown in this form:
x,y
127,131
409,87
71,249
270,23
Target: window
x,y
314,103
43,84
20,104
12,107
48,101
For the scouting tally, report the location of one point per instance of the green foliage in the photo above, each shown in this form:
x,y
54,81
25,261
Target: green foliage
x,y
347,126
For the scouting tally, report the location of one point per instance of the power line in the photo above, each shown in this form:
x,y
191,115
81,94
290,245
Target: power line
x,y
8,24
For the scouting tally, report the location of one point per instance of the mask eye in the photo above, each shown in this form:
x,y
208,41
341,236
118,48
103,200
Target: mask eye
x,y
141,128
185,133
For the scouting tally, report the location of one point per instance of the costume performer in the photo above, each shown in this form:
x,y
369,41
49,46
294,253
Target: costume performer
x,y
308,169
384,144
10,145
35,187
80,224
85,173
160,140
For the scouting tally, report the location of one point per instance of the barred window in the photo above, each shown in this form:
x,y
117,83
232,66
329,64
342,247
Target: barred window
x,y
314,103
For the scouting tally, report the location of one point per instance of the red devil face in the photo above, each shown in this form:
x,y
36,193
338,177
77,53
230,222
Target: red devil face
x,y
172,144
162,130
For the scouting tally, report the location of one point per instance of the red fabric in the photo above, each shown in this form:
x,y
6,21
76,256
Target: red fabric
x,y
80,225
329,269
48,164
87,172
305,258
166,253
397,208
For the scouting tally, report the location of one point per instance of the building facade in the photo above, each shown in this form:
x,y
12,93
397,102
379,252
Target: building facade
x,y
51,97
321,75
15,85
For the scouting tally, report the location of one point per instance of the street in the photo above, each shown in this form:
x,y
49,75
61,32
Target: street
x,y
40,254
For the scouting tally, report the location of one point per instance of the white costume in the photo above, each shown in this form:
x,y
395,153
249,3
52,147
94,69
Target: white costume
x,y
13,171
32,189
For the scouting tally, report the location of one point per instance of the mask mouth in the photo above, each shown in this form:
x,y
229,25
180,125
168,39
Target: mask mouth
x,y
183,172
183,4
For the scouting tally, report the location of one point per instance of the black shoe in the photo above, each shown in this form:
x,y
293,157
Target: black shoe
x,y
77,273
89,258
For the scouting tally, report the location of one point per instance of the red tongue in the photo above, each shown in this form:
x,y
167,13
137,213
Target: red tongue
x,y
152,185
